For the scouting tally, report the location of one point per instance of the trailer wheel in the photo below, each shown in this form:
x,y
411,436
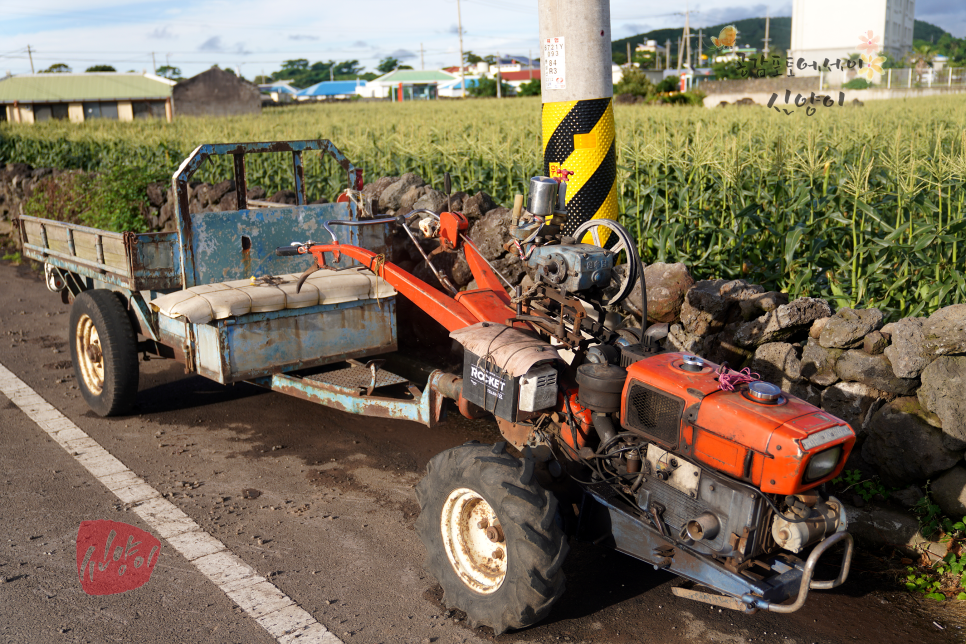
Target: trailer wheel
x,y
491,536
103,349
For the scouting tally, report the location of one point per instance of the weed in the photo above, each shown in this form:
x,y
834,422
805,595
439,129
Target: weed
x,y
12,257
866,488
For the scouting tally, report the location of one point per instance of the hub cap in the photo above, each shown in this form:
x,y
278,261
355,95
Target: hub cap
x,y
478,559
90,358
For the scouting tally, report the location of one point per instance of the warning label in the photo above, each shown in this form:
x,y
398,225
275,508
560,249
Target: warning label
x,y
552,63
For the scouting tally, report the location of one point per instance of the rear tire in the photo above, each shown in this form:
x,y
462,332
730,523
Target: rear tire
x,y
103,349
508,583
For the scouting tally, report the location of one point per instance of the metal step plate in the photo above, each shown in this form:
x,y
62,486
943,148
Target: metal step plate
x,y
357,377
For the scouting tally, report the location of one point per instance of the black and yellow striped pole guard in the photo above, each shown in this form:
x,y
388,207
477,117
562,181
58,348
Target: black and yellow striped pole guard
x,y
578,113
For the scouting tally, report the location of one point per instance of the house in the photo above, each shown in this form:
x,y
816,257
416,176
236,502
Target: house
x,y
216,92
331,90
650,46
832,29
279,91
455,87
32,98
515,79
415,84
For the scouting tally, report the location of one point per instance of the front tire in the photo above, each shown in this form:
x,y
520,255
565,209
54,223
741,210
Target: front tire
x,y
103,349
491,536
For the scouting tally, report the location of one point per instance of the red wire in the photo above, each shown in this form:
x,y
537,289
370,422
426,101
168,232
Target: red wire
x,y
729,380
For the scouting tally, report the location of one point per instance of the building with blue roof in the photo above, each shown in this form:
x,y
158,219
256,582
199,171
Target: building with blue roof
x,y
331,89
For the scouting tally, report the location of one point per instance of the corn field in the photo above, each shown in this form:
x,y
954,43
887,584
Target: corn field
x,y
862,206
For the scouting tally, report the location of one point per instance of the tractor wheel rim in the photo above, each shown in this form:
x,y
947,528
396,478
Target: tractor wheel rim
x,y
479,562
90,356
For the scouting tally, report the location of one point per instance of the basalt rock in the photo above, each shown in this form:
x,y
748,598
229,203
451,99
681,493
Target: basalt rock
x,y
849,326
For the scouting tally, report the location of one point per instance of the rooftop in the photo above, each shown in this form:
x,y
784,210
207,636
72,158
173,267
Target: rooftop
x,y
332,88
95,86
415,76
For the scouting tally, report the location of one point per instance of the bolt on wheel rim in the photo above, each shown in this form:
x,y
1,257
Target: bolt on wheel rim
x,y
90,357
479,561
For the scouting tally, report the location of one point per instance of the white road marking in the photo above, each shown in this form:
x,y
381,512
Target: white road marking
x,y
266,604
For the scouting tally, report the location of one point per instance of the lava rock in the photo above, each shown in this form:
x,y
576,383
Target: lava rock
x,y
434,200
875,371
943,392
905,446
374,190
287,197
849,326
949,492
817,326
906,351
391,196
777,363
760,304
875,343
667,285
156,194
853,402
945,331
782,323
219,190
908,497
707,305
807,392
490,232
409,198
478,205
818,363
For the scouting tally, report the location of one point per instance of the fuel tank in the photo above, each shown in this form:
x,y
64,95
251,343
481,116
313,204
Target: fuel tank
x,y
778,442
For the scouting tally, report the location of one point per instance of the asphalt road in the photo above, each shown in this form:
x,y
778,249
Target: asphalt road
x,y
329,523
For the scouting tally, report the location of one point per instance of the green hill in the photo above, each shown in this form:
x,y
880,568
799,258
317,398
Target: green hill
x,y
751,32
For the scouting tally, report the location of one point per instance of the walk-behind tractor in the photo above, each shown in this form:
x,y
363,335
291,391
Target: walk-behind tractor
x,y
608,436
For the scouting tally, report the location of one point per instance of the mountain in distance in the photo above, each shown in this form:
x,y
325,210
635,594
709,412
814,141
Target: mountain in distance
x,y
751,33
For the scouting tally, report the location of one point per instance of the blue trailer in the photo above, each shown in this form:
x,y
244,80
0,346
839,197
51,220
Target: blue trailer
x,y
215,296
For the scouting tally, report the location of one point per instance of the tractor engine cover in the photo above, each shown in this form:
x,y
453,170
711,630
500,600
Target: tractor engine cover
x,y
573,267
507,371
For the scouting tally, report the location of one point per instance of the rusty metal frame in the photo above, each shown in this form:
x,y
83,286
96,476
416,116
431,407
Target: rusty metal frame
x,y
179,181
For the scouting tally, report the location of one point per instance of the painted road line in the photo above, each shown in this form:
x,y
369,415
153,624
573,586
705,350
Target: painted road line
x,y
263,601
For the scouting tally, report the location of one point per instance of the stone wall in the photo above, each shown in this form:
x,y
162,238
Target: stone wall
x,y
760,85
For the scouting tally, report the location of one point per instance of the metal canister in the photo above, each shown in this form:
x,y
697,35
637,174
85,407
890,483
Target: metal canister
x,y
542,197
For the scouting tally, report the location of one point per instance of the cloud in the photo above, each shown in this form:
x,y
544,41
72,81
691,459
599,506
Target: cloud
x,y
402,54
360,43
302,37
634,28
161,33
730,14
455,30
212,44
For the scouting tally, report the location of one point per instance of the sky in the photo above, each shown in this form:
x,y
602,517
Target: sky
x,y
255,37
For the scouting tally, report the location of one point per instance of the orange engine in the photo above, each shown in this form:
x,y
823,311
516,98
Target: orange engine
x,y
772,440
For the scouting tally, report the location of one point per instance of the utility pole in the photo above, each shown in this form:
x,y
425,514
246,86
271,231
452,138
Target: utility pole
x,y
154,64
700,47
31,55
667,54
687,33
331,74
628,53
459,27
767,39
499,78
578,113
421,65
680,50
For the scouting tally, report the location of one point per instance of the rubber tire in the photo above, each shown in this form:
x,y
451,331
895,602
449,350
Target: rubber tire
x,y
118,347
535,544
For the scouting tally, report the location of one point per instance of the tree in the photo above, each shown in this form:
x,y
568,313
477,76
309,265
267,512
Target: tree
x,y
169,72
634,81
619,58
262,80
530,88
486,86
100,68
470,58
387,64
490,59
56,68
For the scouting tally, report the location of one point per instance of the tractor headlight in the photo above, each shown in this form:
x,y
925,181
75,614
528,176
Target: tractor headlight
x,y
823,463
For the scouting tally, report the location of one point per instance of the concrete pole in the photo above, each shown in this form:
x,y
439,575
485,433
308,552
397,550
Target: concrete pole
x,y
628,53
767,25
459,27
667,52
31,55
499,77
578,114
